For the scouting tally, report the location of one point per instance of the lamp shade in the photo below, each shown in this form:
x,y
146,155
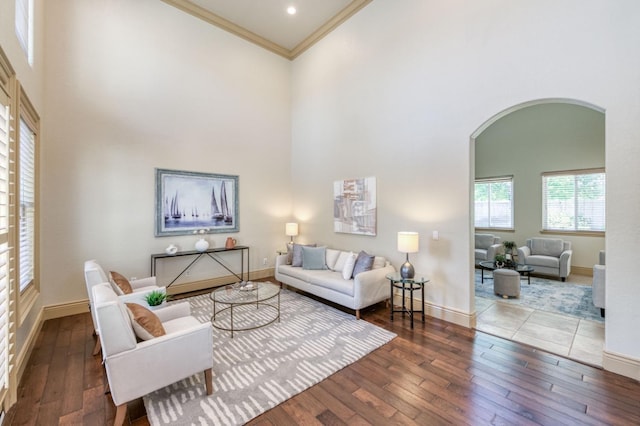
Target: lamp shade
x,y
291,229
408,242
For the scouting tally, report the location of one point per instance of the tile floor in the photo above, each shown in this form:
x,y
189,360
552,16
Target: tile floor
x,y
578,339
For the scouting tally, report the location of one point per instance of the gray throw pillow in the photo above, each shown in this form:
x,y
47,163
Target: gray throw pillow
x,y
364,262
296,260
313,258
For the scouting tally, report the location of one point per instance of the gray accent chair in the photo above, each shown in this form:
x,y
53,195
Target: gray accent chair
x,y
547,256
598,287
487,246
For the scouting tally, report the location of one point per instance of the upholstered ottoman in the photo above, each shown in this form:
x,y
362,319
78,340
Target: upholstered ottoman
x,y
506,282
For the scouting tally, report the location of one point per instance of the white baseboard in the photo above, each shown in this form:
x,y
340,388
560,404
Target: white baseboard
x,y
454,316
215,282
621,364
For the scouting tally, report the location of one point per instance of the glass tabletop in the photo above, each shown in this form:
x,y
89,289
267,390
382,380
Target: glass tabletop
x,y
417,279
519,267
245,292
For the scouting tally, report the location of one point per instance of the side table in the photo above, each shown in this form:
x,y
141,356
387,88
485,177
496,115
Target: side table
x,y
410,285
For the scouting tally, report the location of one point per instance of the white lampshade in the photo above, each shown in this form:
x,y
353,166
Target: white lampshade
x,y
408,242
291,229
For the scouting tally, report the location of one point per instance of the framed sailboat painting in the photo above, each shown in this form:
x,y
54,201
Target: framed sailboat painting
x,y
189,202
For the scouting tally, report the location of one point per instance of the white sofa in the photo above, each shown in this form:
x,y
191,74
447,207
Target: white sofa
x,y
487,246
365,289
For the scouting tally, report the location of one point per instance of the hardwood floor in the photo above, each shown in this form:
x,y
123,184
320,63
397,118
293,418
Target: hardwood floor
x,y
438,373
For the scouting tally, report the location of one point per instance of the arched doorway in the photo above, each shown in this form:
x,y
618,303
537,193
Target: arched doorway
x,y
522,142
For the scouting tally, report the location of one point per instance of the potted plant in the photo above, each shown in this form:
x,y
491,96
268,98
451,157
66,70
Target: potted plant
x,y
509,247
500,260
156,297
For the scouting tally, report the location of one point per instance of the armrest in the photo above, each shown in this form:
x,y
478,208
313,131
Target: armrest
x,y
598,286
370,286
174,311
565,263
523,253
281,259
493,250
143,282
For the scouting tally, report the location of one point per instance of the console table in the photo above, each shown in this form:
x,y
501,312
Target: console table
x,y
213,253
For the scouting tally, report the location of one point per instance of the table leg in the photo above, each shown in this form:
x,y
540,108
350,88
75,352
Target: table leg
x,y
422,285
391,299
481,275
231,321
411,313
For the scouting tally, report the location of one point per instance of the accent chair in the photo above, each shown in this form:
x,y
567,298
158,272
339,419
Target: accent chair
x,y
547,256
487,246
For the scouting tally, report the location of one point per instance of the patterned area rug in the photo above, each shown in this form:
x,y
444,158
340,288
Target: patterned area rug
x,y
256,370
547,295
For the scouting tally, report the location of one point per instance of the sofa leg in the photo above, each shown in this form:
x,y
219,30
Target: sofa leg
x,y
563,279
121,412
208,381
357,314
602,312
97,347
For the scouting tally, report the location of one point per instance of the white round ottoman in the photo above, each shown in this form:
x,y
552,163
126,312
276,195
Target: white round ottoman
x,y
506,282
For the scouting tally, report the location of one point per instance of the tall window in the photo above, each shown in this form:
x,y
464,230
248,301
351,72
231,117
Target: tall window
x,y
24,27
494,203
27,213
574,201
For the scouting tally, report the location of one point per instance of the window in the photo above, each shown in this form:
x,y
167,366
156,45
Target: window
x,y
26,216
24,27
574,201
494,203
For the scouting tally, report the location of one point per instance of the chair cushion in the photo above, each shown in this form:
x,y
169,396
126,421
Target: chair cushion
x,y
364,262
547,246
484,241
543,261
120,284
313,257
146,324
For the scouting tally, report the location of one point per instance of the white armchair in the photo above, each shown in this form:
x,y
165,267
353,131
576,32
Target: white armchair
x,y
487,246
547,256
135,369
598,287
94,275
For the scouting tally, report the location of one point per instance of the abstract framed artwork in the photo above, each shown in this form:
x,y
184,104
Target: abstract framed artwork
x,y
187,202
354,206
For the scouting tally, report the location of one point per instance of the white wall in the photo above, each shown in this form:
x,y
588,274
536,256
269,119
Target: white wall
x,y
536,139
136,85
397,92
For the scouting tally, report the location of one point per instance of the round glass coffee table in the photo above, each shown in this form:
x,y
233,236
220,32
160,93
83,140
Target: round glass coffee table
x,y
523,270
246,305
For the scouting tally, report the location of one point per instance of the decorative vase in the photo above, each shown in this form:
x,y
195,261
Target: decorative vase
x,y
202,245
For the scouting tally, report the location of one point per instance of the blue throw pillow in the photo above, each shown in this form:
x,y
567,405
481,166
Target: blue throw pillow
x,y
313,258
364,262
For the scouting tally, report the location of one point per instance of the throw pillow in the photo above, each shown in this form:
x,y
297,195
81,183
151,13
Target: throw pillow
x,y
122,285
347,271
146,324
364,262
331,258
342,258
297,254
313,258
289,254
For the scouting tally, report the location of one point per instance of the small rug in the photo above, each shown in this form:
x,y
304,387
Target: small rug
x,y
546,295
256,370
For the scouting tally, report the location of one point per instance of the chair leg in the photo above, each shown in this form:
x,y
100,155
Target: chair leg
x,y
208,381
98,347
121,413
602,312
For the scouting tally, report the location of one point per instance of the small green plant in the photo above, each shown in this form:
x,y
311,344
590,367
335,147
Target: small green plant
x,y
500,258
509,246
156,297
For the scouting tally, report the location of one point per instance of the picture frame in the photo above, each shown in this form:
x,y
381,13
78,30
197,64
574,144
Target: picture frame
x,y
354,206
194,202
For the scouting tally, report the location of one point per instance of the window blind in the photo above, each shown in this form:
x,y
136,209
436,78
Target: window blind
x,y
574,201
493,206
4,240
27,205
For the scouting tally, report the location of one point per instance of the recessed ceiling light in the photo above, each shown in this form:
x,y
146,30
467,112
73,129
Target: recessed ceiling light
x,y
291,10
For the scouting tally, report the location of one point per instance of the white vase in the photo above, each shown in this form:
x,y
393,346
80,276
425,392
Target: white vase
x,y
202,245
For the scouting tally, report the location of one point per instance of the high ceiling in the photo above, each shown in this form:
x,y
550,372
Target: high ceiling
x,y
267,23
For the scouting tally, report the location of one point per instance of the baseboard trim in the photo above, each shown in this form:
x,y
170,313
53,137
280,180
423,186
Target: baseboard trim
x,y
621,364
444,313
65,309
581,270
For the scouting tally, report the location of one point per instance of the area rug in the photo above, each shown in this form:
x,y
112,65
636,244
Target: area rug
x,y
546,295
256,370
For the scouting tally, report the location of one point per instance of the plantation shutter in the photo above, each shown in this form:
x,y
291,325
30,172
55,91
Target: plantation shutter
x,y
4,240
27,205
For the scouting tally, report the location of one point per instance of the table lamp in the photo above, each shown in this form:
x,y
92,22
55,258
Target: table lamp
x,y
291,230
408,242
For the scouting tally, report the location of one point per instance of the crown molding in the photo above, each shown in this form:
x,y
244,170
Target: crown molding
x,y
220,22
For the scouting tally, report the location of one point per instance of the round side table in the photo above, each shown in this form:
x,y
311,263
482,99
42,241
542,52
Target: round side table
x,y
407,285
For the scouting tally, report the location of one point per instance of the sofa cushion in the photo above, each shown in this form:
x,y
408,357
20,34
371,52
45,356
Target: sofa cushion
x,y
331,258
297,254
146,324
349,264
364,262
313,257
120,284
342,258
333,281
484,241
295,272
289,254
543,261
547,246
